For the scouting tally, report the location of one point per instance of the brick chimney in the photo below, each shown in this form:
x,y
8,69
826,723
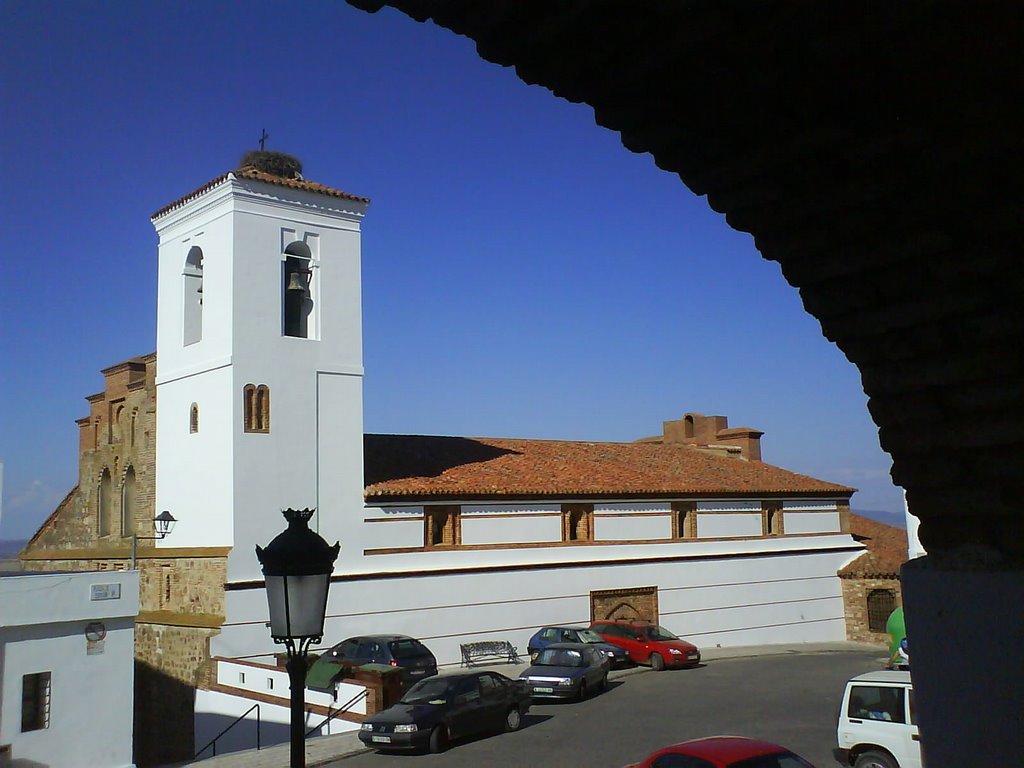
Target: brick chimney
x,y
712,432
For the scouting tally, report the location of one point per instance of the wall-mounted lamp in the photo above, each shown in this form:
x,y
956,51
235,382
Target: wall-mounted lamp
x,y
164,524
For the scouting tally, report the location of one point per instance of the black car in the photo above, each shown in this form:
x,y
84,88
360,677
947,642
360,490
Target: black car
x,y
446,707
567,671
410,655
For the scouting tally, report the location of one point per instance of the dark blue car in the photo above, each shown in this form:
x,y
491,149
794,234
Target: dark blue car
x,y
545,636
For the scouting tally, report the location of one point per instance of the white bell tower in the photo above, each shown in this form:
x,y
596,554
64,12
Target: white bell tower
x,y
259,359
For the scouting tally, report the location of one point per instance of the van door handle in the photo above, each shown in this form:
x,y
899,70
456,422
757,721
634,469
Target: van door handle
x,y
915,737
855,721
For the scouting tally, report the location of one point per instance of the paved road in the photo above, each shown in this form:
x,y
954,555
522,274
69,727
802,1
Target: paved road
x,y
791,699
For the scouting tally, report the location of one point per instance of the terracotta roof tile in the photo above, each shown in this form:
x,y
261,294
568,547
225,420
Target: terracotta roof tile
x,y
887,550
267,178
412,466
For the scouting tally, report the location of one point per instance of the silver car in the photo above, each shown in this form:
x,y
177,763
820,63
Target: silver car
x,y
567,671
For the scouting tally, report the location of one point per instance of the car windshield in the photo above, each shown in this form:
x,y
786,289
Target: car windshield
x,y
407,649
658,633
430,691
559,657
590,636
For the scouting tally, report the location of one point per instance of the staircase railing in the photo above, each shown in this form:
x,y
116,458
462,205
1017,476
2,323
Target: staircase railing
x,y
236,721
333,713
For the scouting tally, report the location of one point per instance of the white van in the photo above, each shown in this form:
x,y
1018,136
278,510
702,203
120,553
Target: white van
x,y
877,727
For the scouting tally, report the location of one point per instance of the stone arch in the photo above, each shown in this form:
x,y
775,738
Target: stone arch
x,y
104,503
129,501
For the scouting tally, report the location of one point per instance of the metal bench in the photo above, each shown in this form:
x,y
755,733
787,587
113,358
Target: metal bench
x,y
494,651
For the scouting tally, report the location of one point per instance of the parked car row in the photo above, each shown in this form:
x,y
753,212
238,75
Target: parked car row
x,y
567,662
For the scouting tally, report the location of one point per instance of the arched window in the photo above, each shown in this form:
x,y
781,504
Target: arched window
x,y
193,419
117,425
296,289
131,428
128,503
192,296
103,506
881,603
256,408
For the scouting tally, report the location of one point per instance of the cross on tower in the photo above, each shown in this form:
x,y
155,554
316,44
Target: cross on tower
x,y
263,138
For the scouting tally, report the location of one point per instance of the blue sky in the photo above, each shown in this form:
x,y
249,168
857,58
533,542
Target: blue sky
x,y
524,275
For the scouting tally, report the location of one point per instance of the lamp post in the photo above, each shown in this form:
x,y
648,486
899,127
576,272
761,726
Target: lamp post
x,y
297,567
164,525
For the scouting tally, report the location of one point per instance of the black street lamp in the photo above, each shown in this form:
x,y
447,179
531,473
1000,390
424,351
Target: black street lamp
x,y
297,567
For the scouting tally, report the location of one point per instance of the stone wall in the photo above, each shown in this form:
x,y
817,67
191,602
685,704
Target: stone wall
x,y
855,603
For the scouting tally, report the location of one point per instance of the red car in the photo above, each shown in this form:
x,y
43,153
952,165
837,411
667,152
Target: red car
x,y
648,643
723,752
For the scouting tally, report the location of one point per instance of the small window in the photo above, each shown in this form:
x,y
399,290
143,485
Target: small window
x,y
684,520
881,603
35,701
442,526
772,521
256,408
193,419
577,522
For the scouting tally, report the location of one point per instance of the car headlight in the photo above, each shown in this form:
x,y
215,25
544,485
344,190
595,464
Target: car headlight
x,y
566,681
609,654
366,727
674,651
406,728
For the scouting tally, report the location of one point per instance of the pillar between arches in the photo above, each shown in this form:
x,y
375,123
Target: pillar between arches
x,y
966,639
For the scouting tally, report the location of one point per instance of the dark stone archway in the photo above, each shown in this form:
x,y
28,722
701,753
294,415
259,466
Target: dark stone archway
x,y
874,151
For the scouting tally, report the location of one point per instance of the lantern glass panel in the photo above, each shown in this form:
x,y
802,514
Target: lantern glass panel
x,y
297,605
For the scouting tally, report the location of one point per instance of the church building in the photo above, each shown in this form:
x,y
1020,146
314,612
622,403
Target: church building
x,y
252,404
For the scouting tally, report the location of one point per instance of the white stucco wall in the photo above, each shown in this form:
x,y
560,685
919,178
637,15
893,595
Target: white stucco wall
x,y
810,522
42,629
510,530
728,524
227,486
724,592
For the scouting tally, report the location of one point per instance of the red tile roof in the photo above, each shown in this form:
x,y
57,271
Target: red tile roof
x,y
422,466
268,178
887,550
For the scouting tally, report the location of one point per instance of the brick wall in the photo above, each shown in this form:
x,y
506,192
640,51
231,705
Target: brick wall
x,y
855,604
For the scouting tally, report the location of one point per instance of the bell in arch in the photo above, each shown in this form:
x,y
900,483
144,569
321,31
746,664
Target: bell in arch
x,y
296,283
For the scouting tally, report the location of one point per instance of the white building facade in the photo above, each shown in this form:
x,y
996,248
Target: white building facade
x,y
67,667
260,409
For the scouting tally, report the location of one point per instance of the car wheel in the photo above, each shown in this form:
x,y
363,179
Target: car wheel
x,y
438,739
875,760
657,663
513,719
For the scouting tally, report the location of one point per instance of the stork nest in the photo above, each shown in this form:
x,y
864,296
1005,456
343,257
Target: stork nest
x,y
276,163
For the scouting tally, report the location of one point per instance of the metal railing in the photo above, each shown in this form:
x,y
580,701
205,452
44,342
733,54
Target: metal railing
x,y
236,721
333,713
